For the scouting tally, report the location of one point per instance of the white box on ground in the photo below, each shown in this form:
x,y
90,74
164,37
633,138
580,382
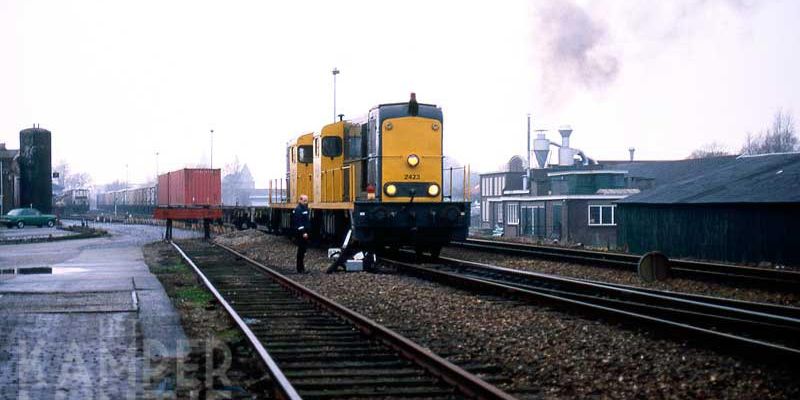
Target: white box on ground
x,y
354,265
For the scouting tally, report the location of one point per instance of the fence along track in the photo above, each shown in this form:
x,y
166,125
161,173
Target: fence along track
x,y
322,349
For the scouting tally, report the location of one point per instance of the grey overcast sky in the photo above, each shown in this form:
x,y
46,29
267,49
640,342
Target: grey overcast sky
x,y
118,81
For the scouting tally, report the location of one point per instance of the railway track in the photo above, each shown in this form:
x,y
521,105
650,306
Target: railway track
x,y
767,332
741,275
315,348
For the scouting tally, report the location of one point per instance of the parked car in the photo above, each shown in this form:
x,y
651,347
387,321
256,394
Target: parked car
x,y
20,217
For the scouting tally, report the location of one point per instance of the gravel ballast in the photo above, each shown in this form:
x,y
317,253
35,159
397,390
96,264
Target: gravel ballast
x,y
607,274
544,352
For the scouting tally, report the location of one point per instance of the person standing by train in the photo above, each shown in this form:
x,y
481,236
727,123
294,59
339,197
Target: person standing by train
x,y
302,229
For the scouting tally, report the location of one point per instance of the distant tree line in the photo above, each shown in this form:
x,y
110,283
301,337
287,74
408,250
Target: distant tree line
x,y
780,137
68,179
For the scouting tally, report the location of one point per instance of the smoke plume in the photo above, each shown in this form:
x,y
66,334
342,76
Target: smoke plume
x,y
574,49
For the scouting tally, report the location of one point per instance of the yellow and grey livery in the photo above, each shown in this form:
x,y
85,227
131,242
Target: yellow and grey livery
x,y
380,176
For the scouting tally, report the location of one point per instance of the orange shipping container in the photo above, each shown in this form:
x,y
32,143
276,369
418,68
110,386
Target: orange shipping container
x,y
190,187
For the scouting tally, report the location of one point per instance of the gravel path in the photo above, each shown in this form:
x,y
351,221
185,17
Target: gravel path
x,y
625,277
545,352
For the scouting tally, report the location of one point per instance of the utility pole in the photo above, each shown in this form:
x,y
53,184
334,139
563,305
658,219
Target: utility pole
x,y
527,182
212,150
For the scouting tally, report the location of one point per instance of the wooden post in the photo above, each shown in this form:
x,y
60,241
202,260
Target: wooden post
x,y
168,234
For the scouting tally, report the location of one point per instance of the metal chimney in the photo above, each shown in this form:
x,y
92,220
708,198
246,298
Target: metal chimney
x,y
566,154
528,157
631,150
565,131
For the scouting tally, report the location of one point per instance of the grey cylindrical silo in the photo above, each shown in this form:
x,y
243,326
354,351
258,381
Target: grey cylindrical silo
x,y
35,169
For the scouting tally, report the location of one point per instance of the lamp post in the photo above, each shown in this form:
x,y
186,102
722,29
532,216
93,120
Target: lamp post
x,y
334,72
156,167
212,150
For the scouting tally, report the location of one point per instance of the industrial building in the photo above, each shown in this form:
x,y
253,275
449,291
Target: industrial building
x,y
573,200
26,174
9,179
745,209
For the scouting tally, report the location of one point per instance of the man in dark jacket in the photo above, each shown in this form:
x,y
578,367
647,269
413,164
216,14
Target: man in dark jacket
x,y
302,228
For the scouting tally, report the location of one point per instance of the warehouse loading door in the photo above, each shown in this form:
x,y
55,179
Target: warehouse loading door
x,y
556,222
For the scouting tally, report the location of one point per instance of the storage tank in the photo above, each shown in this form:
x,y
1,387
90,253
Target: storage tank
x,y
35,169
195,187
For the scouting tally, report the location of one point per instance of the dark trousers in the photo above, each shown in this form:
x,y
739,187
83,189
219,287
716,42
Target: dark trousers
x,y
302,245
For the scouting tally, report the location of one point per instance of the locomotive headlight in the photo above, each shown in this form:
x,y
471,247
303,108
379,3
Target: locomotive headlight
x,y
433,190
391,190
413,160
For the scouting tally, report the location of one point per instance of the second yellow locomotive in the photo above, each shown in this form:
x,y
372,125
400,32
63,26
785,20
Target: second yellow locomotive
x,y
380,177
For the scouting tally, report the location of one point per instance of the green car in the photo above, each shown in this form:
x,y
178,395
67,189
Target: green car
x,y
20,217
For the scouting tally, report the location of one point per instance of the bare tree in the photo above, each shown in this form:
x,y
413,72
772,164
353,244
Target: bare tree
x,y
62,168
232,168
69,180
78,180
712,149
779,138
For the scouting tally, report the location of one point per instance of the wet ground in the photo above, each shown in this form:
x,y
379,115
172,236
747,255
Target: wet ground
x,y
84,318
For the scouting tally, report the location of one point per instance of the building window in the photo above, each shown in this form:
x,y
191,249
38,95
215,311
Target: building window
x,y
602,215
484,211
498,209
512,214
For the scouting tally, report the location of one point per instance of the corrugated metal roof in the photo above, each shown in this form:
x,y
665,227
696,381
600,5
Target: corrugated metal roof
x,y
562,197
773,178
663,172
587,172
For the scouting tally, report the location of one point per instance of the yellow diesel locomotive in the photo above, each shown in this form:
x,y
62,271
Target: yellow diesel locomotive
x,y
380,178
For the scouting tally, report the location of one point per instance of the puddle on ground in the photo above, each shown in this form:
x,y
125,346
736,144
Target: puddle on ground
x,y
7,273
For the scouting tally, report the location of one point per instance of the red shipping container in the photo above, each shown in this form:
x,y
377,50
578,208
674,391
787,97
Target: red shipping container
x,y
190,187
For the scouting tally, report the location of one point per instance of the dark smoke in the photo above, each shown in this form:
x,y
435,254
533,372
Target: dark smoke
x,y
573,47
577,52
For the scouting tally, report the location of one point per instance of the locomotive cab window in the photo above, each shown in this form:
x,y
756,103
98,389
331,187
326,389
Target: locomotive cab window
x,y
331,146
304,154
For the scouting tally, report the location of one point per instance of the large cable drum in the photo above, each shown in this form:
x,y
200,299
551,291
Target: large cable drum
x,y
35,169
